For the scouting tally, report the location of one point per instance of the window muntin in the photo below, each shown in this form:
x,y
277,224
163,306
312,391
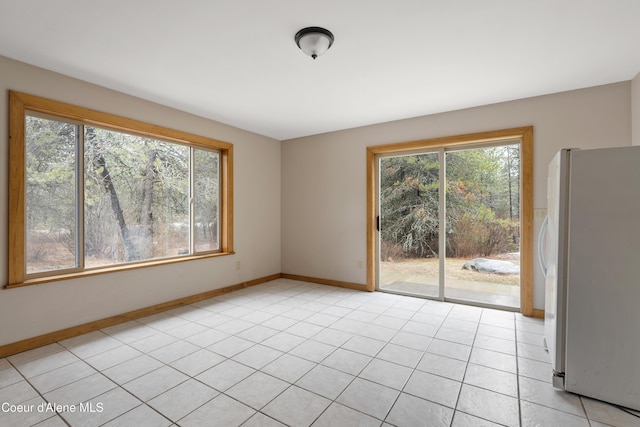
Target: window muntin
x,y
91,191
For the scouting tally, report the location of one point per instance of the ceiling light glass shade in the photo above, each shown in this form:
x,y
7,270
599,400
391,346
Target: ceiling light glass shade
x,y
314,41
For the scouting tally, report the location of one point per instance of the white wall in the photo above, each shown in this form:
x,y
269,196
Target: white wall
x,y
324,176
635,109
34,310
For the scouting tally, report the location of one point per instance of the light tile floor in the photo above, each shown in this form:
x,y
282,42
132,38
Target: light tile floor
x,y
300,354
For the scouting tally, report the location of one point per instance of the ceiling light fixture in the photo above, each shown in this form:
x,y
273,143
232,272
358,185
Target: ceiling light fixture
x,y
314,41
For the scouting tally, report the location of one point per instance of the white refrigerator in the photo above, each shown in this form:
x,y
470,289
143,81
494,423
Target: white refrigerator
x,y
589,250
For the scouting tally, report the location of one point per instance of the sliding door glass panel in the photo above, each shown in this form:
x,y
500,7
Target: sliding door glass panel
x,y
483,225
409,225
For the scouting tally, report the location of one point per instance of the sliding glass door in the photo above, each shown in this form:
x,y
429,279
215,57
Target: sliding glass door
x,y
449,223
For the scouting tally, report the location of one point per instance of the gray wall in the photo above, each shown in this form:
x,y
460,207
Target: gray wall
x,y
324,176
34,310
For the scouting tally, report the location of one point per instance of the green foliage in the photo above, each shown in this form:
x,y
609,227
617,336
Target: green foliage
x,y
136,195
482,203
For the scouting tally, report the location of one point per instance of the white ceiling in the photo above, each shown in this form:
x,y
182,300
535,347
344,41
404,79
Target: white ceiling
x,y
235,61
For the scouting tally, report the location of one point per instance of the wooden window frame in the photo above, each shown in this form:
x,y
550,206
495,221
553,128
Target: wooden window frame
x,y
19,106
525,135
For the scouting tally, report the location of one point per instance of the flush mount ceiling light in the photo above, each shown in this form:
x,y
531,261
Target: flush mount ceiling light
x,y
314,41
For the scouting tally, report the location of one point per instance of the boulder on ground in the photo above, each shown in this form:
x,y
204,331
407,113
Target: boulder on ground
x,y
484,265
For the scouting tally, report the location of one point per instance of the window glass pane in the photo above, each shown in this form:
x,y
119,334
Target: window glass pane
x,y
50,194
136,198
206,196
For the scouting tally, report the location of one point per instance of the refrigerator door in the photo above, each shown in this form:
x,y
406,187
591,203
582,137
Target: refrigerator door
x,y
555,280
603,287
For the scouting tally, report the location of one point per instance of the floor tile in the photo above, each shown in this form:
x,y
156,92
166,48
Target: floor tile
x,y
257,356
17,393
332,337
222,411
536,415
369,397
257,333
131,369
261,420
206,337
495,344
466,312
389,322
534,352
346,361
213,320
492,379
36,353
530,338
455,335
113,357
153,342
449,349
430,319
325,381
81,390
489,405
198,362
32,417
321,319
496,331
378,332
288,368
257,390
231,346
174,351
234,326
443,366
440,390
530,326
533,369
186,330
364,345
543,393
9,376
339,415
182,399
304,354
312,350
410,340
460,325
155,383
225,375
386,373
47,363
90,344
460,419
305,330
400,355
102,409
296,407
412,411
279,322
494,359
608,414
283,341
257,316
54,421
52,380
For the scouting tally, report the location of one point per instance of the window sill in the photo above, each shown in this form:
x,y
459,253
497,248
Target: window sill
x,y
112,269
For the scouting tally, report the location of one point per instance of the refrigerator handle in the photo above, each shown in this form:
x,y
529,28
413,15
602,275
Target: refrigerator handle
x,y
541,241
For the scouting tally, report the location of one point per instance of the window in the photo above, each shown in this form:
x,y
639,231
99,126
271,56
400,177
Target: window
x,y
92,193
